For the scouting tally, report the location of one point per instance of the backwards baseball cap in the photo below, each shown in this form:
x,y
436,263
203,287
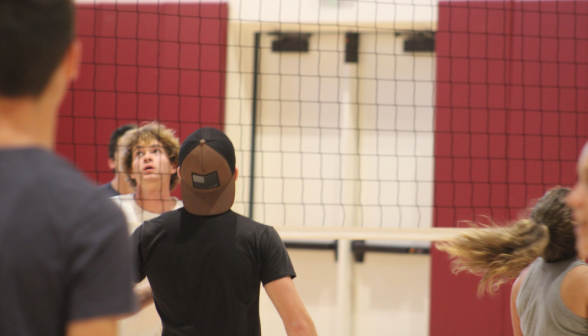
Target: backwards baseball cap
x,y
207,169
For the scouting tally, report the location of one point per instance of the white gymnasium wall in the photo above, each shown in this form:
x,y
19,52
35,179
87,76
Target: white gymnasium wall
x,y
421,14
396,82
304,158
298,144
391,294
341,144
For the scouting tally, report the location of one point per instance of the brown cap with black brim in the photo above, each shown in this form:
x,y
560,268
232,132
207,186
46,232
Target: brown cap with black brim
x,y
208,179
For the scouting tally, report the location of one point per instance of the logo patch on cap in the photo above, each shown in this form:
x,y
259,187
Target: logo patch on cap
x,y
205,181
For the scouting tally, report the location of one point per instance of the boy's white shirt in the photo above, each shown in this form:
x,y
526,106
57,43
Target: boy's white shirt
x,y
134,214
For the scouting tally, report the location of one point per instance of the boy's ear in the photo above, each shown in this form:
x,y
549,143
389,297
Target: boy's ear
x,y
111,164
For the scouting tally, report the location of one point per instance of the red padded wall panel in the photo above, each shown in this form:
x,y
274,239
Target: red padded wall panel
x,y
142,63
510,122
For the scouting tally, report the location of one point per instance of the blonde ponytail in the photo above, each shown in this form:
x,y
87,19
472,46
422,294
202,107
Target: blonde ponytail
x,y
497,254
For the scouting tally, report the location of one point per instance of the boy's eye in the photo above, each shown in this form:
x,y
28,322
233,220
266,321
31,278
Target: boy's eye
x,y
157,151
140,153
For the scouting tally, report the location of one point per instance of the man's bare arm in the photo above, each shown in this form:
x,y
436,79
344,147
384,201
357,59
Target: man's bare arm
x,y
103,326
285,298
144,295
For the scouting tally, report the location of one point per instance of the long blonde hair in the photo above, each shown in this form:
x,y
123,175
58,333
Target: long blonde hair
x,y
499,254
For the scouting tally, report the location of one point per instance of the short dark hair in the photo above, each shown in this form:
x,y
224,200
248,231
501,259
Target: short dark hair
x,y
117,134
34,37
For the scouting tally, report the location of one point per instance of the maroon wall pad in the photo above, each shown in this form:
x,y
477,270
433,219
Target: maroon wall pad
x,y
510,122
143,63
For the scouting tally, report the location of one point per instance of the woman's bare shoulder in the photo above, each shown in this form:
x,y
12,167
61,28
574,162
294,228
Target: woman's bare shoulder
x,y
578,276
574,290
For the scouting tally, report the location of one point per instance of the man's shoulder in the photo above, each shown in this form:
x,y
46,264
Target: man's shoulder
x,y
69,183
49,197
57,187
246,221
47,172
32,162
252,228
164,222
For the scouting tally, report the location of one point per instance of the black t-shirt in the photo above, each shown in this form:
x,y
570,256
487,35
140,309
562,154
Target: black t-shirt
x,y
205,271
64,252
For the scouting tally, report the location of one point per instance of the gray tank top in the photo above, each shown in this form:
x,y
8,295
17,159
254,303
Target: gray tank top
x,y
539,304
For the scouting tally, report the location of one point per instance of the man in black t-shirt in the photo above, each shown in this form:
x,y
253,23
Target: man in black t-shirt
x,y
65,263
205,262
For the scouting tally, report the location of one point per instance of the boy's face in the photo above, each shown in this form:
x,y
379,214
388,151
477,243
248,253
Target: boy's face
x,y
151,163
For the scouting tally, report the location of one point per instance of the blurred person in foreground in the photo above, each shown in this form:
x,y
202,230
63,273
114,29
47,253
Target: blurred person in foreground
x,y
150,163
205,262
550,294
578,201
119,185
64,253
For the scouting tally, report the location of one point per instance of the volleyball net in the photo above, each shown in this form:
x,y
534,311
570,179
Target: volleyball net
x,y
380,119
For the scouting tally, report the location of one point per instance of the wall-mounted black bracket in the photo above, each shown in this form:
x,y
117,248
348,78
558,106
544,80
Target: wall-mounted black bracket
x,y
313,246
290,42
351,47
359,248
418,41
